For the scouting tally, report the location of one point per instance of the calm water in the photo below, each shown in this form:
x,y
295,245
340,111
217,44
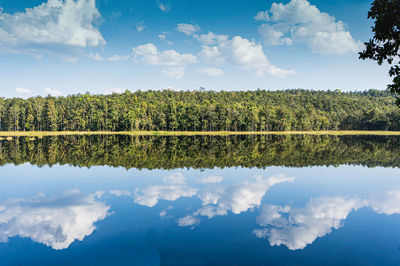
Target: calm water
x,y
302,200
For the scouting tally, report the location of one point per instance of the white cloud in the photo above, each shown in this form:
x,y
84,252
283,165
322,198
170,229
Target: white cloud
x,y
246,195
212,179
386,203
96,57
163,7
54,26
174,72
212,55
188,29
175,178
52,92
298,227
240,52
164,212
119,193
238,198
261,16
208,39
244,54
302,226
116,57
273,36
163,36
211,38
149,54
249,55
300,22
211,211
211,194
54,222
140,26
188,220
149,196
22,90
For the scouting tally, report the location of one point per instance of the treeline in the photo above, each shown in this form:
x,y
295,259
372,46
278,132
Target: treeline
x,y
170,152
204,111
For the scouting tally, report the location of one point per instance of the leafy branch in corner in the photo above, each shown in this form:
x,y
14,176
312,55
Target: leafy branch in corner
x,y
384,46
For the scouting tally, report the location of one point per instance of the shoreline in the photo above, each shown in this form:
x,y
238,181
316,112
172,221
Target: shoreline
x,y
193,133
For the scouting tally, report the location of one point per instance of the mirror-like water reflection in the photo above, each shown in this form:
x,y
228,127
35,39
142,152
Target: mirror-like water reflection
x,y
205,214
169,152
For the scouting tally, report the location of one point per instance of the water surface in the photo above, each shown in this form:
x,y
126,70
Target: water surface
x,y
280,200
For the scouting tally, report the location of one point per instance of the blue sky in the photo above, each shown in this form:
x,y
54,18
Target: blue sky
x,y
102,46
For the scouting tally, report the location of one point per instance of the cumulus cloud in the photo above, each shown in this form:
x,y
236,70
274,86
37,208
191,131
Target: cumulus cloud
x,y
239,52
244,54
250,56
238,198
212,179
22,90
298,227
261,16
216,200
211,38
302,226
211,71
188,29
188,220
300,22
54,26
386,203
119,193
54,222
175,62
149,196
175,178
150,55
52,92
117,57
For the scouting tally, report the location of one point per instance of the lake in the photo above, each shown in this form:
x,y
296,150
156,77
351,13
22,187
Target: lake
x,y
227,200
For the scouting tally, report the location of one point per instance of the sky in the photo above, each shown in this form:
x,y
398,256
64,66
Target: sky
x,y
63,47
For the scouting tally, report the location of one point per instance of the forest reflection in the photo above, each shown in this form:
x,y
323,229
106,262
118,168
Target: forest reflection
x,y
170,152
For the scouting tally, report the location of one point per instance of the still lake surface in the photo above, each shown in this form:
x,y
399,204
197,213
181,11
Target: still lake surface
x,y
241,200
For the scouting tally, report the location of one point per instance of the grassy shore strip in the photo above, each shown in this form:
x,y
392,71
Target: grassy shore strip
x,y
194,133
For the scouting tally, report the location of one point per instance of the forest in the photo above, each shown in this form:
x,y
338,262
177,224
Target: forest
x,y
202,110
200,152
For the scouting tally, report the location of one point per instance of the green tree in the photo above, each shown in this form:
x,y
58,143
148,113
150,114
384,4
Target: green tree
x,y
384,46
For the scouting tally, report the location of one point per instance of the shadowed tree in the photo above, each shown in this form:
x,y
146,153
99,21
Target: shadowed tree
x,y
384,46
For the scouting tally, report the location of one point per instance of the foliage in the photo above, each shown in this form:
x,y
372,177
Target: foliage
x,y
204,111
384,46
169,152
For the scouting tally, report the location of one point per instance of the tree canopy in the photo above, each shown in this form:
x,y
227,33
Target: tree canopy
x,y
204,111
384,46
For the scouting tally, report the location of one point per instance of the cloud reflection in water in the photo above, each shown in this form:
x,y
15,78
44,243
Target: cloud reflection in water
x,y
217,199
296,228
54,222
